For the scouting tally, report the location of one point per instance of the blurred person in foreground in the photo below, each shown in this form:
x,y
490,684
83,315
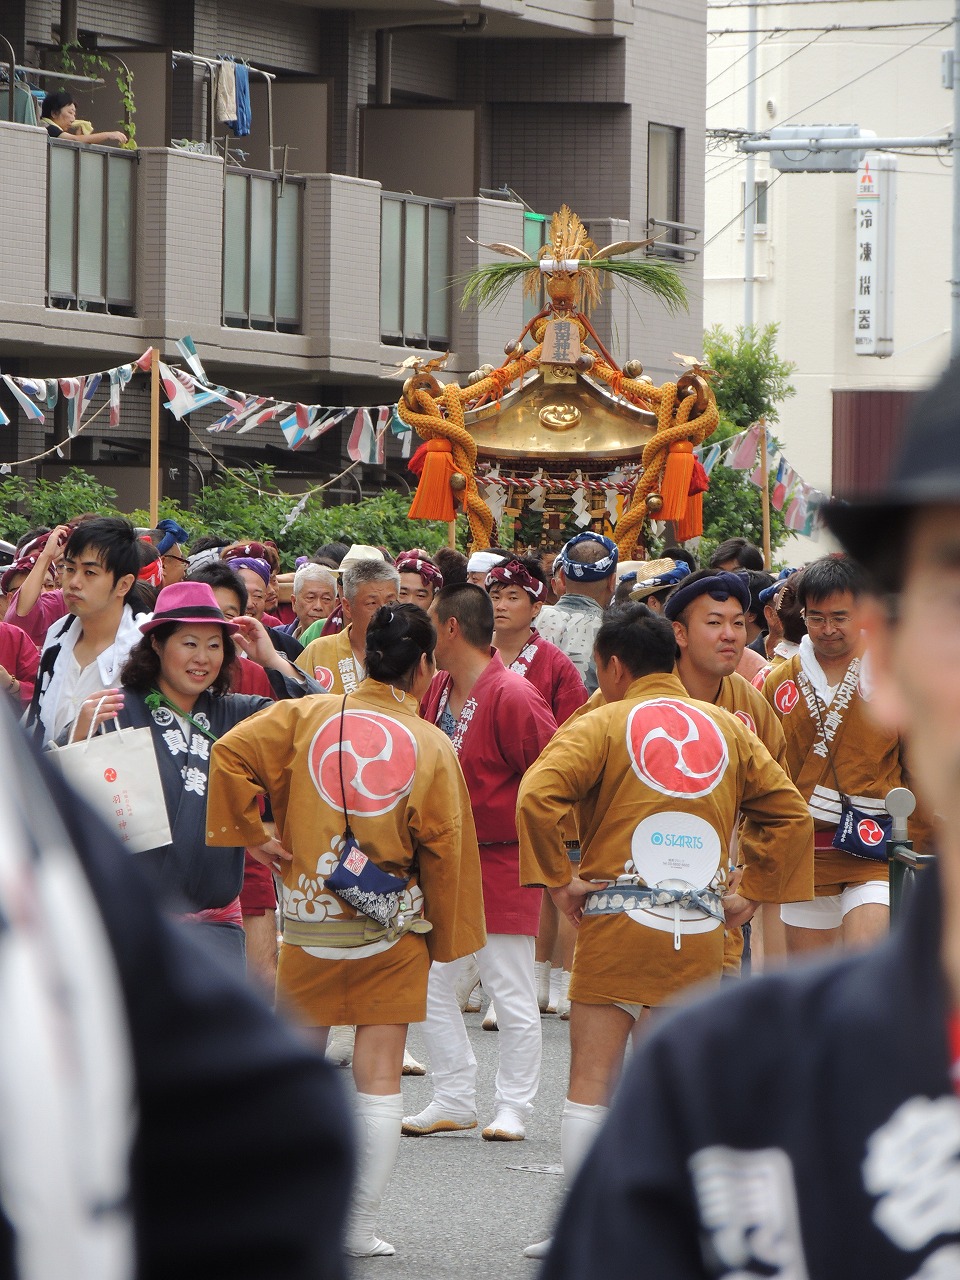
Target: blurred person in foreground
x,y
846,1160
147,1098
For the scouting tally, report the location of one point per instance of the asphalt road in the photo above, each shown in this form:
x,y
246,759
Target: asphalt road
x,y
459,1206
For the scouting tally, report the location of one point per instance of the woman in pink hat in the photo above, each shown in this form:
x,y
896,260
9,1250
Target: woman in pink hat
x,y
176,683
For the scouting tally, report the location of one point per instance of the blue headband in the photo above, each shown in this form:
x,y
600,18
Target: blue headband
x,y
172,534
718,586
767,594
596,571
663,580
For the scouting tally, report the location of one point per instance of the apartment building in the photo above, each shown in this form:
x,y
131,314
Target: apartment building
x,y
310,257
877,66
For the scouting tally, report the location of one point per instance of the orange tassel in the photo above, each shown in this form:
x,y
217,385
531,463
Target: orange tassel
x,y
691,525
676,481
433,500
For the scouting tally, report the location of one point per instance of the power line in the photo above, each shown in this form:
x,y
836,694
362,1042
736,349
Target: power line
x,y
732,64
784,4
765,72
737,216
837,26
899,54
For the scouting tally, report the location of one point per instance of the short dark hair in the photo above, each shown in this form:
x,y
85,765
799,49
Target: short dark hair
x,y
217,573
142,667
31,535
534,568
55,102
472,608
829,576
117,546
397,638
642,640
743,551
334,551
758,580
588,552
207,542
681,555
787,609
452,564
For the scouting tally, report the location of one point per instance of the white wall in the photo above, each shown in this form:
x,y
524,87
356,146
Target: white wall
x,y
805,263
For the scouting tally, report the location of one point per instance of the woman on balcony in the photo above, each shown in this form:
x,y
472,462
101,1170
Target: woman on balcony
x,y
59,114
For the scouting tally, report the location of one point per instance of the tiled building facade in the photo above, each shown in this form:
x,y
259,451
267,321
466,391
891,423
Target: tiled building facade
x,y
554,100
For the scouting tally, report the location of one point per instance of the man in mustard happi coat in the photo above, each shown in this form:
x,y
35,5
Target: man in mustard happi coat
x,y
659,779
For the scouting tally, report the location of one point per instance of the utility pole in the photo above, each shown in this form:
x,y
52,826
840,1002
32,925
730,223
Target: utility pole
x,y
749,185
955,152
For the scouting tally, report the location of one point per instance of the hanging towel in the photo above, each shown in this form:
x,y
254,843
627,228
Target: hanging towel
x,y
241,126
226,100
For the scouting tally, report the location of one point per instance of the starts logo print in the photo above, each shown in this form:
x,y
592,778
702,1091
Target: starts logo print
x,y
786,697
676,748
870,832
324,678
379,762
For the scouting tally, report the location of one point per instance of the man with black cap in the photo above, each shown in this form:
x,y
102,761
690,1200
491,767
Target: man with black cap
x,y
842,761
847,1161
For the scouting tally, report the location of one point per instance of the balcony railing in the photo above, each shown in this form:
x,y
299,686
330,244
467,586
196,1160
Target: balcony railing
x,y
415,257
91,231
262,252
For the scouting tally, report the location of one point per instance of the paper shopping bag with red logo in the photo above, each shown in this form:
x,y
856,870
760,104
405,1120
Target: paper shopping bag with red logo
x,y
117,774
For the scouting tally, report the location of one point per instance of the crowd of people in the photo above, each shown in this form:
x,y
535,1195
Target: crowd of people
x,y
581,785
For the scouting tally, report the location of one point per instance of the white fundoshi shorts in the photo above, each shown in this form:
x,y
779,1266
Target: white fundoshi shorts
x,y
828,912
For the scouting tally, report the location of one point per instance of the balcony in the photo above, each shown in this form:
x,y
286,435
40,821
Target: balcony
x,y
91,228
262,252
415,285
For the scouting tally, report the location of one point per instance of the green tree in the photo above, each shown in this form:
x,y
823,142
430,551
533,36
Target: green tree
x,y
24,505
751,383
751,379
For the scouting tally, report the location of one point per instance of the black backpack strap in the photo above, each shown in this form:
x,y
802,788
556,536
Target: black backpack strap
x,y
48,660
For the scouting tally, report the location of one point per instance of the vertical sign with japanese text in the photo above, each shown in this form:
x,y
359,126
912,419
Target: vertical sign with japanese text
x,y
873,268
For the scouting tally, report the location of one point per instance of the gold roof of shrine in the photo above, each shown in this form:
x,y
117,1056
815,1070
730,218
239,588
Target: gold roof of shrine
x,y
570,419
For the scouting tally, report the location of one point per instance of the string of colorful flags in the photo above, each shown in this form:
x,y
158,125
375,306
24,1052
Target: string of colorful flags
x,y
188,390
790,494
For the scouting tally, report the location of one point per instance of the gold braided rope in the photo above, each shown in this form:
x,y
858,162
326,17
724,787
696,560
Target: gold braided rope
x,y
442,418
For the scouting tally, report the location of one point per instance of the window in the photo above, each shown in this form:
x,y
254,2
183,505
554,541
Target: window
x,y
664,157
760,208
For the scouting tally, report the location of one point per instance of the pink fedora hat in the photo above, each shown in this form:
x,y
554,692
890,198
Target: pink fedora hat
x,y
187,602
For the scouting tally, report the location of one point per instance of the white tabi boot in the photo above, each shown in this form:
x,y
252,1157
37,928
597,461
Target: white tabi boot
x,y
563,999
340,1046
378,1121
556,977
579,1125
542,970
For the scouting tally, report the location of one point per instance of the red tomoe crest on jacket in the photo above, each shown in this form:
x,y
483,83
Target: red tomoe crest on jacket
x,y
110,775
870,832
786,697
676,748
747,719
324,678
379,762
